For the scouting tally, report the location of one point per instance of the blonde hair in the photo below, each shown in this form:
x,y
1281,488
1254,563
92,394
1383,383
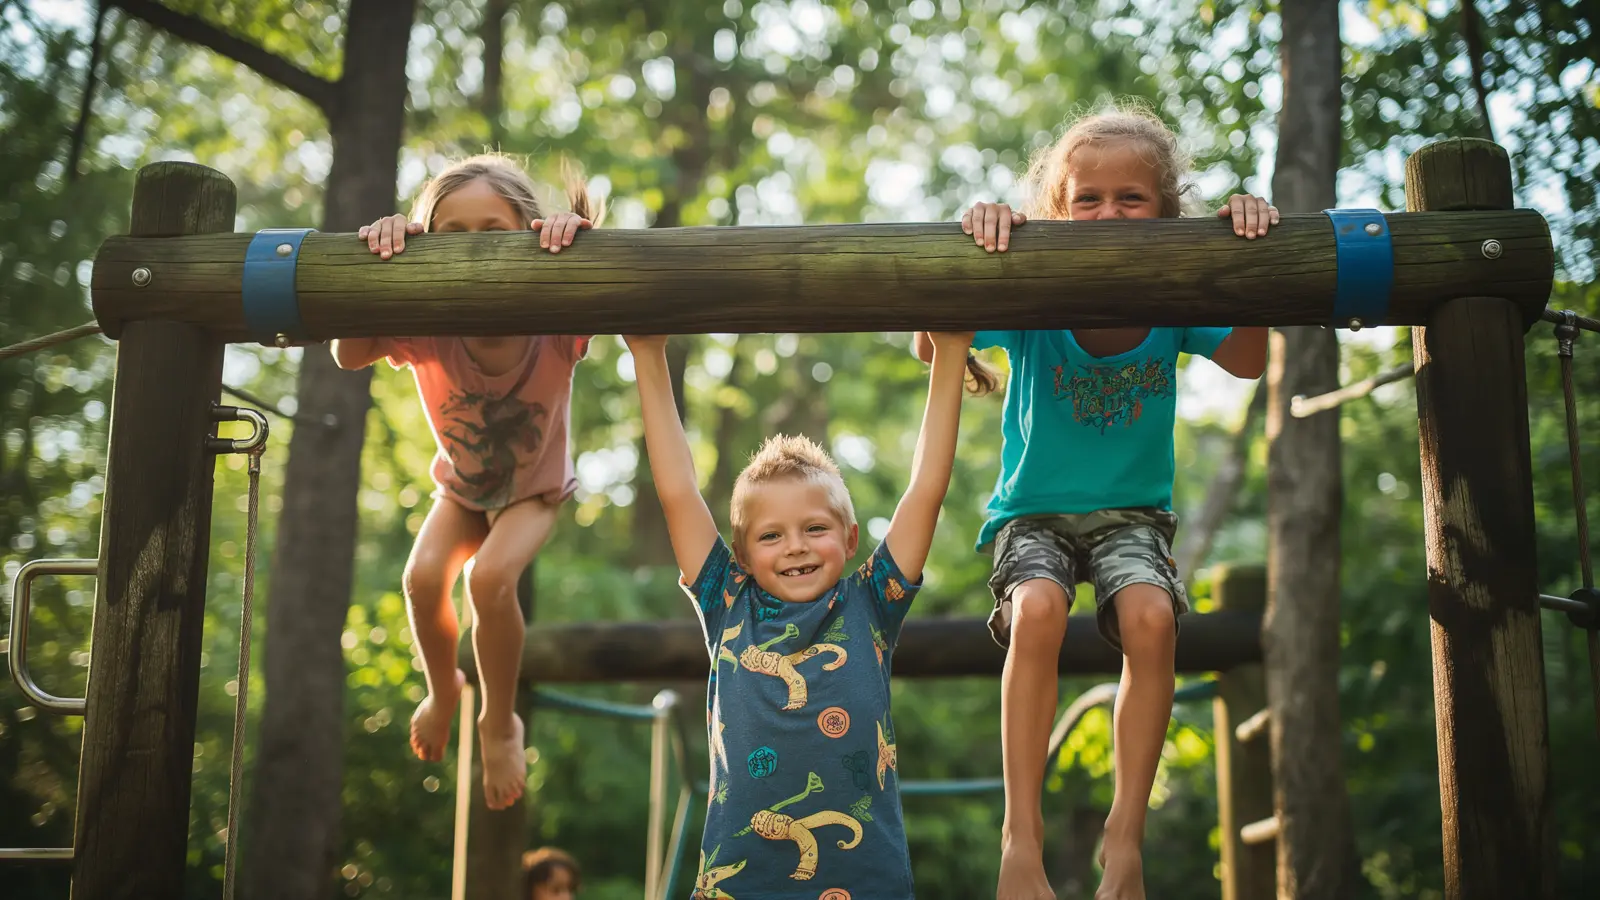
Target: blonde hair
x,y
1128,120
508,180
788,457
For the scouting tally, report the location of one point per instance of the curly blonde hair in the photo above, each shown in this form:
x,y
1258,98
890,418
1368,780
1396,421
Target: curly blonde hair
x,y
787,457
1127,121
508,179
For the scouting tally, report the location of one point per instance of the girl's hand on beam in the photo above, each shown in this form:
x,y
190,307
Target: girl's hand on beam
x,y
387,236
1251,215
559,230
990,225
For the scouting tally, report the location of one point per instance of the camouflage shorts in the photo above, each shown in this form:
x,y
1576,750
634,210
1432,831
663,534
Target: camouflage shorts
x,y
1110,548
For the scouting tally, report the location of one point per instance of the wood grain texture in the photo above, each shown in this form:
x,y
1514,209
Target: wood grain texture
x,y
138,743
830,278
1244,768
590,652
1483,597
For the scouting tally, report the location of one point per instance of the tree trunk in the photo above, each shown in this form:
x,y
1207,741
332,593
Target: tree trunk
x,y
1316,849
492,101
292,845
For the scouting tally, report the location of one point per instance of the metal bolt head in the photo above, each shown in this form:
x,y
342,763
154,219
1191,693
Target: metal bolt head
x,y
1374,229
282,340
1492,249
1355,324
141,276
285,249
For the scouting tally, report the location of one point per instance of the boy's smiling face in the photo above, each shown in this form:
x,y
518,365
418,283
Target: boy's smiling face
x,y
796,544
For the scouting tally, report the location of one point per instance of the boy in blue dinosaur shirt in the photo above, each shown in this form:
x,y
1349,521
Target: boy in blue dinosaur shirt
x,y
805,801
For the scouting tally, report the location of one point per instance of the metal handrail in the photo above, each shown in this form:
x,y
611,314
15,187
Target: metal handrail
x,y
21,612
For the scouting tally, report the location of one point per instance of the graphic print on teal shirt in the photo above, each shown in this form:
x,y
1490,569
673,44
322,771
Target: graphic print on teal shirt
x,y
805,792
1082,433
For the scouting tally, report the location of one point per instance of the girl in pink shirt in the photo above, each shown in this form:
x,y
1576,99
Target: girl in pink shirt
x,y
499,411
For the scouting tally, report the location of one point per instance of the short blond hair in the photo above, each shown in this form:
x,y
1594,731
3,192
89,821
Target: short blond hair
x,y
790,457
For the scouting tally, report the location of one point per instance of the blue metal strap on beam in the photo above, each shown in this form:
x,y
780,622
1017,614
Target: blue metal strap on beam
x,y
271,306
1365,261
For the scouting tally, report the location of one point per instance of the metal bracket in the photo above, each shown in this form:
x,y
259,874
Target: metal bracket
x,y
1364,256
271,305
254,444
21,612
1588,616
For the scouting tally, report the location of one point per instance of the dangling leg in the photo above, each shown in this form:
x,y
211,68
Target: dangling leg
x,y
448,538
1028,688
1148,629
497,631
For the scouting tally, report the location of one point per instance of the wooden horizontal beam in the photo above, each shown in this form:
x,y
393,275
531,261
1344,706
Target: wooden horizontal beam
x,y
589,652
830,278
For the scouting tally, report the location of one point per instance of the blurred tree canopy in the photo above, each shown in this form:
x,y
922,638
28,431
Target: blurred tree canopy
x,y
752,113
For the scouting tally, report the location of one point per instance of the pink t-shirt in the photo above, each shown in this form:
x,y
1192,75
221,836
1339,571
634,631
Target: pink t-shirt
x,y
502,438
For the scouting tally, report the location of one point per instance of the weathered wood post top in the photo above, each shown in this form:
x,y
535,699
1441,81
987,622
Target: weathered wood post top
x,y
827,278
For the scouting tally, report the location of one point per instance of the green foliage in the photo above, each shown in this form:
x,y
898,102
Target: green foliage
x,y
755,113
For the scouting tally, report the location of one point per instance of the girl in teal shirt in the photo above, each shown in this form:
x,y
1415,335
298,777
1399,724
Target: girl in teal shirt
x,y
1085,490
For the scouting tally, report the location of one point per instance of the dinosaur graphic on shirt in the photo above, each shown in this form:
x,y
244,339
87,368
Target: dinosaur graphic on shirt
x,y
887,756
758,659
776,826
705,884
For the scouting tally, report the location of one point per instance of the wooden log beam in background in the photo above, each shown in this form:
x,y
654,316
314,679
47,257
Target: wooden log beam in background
x,y
830,278
592,652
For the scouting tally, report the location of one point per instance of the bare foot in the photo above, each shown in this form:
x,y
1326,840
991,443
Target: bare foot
x,y
1022,872
430,724
1123,876
505,763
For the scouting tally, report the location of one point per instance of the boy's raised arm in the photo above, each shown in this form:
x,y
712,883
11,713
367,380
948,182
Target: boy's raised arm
x,y
689,523
911,531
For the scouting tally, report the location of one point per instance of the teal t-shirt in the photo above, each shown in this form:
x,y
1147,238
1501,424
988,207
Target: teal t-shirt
x,y
1082,433
805,793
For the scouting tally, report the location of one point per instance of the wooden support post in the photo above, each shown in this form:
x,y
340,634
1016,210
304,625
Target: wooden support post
x,y
1483,596
1244,763
138,741
496,839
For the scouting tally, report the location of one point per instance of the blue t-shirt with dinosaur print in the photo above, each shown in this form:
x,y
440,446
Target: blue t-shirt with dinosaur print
x,y
805,801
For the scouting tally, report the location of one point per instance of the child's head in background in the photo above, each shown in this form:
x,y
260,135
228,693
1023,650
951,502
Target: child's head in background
x,y
1119,163
794,527
490,192
549,874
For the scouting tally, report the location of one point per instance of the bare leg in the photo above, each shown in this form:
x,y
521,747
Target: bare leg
x,y
1144,707
1027,709
513,541
448,538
